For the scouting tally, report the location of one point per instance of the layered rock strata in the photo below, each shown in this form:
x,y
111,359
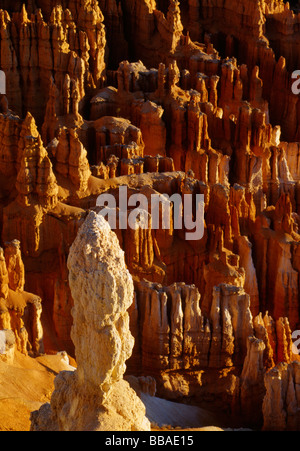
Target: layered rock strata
x,y
57,56
182,347
195,98
281,402
102,289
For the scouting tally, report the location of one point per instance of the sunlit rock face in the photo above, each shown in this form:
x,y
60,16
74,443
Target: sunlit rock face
x,y
95,396
163,98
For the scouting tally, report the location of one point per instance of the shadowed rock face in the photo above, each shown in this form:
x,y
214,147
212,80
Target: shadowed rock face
x,y
20,311
164,98
281,402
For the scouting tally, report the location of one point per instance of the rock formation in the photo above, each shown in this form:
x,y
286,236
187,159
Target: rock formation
x,y
167,99
281,402
20,311
48,52
184,338
103,342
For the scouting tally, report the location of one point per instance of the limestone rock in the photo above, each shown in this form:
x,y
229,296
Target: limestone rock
x,y
165,98
36,177
71,161
281,402
102,289
15,266
187,338
20,311
55,46
252,380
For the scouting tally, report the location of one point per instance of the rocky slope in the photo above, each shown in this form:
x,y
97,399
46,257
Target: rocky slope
x,y
163,98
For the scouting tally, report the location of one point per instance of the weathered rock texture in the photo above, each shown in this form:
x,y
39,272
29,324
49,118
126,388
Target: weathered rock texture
x,y
102,289
175,334
281,402
164,98
20,311
56,58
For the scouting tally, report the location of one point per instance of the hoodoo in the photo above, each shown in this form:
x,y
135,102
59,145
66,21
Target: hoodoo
x,y
117,313
95,397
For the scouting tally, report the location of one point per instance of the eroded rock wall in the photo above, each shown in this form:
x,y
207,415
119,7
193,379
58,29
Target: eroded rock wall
x,y
164,98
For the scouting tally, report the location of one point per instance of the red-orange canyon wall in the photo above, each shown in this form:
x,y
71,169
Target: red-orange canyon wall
x,y
191,98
